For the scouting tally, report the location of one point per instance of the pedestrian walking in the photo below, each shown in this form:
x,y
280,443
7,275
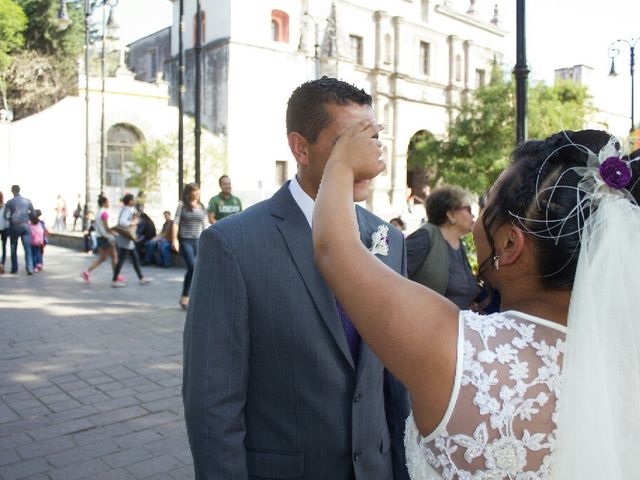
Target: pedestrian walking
x,y
4,232
77,214
125,242
188,224
60,225
38,239
106,241
17,212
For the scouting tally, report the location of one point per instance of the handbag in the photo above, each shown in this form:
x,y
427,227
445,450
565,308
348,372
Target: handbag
x,y
126,232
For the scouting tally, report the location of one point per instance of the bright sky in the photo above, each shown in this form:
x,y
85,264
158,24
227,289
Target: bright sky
x,y
560,33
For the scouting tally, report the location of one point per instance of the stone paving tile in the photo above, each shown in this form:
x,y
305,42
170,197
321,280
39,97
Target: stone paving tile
x,y
25,469
182,473
45,447
90,376
82,470
154,467
8,456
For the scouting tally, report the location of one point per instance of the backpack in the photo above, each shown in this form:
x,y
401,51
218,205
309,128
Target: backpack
x,y
37,234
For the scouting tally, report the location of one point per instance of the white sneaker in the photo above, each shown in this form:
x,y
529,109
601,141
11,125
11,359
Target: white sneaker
x,y
145,281
118,284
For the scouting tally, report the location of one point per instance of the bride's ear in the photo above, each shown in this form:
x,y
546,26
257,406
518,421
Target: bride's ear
x,y
510,243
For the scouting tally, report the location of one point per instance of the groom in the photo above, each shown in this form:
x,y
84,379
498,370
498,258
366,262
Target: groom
x,y
277,382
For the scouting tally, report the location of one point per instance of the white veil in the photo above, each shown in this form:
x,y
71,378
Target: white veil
x,y
599,408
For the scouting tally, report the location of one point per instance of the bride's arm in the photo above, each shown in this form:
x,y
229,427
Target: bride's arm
x,y
412,329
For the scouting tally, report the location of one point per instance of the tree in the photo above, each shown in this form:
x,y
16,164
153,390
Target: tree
x,y
50,57
481,137
13,22
147,159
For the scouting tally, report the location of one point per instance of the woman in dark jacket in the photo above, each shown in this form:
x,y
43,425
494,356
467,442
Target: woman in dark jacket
x,y
436,256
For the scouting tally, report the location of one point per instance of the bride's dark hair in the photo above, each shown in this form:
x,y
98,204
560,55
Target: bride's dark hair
x,y
538,194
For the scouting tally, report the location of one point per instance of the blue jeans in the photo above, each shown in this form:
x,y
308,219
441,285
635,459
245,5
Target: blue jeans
x,y
36,255
163,245
20,231
189,251
5,236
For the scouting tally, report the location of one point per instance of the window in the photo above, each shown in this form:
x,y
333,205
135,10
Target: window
x,y
153,64
424,10
282,174
279,26
458,68
120,142
480,78
387,49
203,24
355,43
425,58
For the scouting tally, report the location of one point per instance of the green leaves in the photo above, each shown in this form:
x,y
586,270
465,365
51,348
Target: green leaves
x,y
147,159
43,64
13,22
482,136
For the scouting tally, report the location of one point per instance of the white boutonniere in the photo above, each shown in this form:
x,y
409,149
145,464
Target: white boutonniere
x,y
380,241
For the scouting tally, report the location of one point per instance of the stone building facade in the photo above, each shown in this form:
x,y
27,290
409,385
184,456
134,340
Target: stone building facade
x,y
417,58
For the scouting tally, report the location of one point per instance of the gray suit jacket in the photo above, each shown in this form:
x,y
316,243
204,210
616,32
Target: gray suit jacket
x,y
270,387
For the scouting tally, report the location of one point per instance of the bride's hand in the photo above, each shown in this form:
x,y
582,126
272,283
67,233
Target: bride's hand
x,y
360,150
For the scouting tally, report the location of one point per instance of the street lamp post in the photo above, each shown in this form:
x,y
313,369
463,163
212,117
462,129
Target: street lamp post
x,y
614,51
180,97
64,22
317,46
521,73
198,53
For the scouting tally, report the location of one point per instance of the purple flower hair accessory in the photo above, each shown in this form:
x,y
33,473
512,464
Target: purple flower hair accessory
x,y
615,172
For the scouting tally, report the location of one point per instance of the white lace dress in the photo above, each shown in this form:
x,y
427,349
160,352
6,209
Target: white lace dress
x,y
500,423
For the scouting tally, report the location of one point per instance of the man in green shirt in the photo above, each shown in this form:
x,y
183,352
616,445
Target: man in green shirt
x,y
223,204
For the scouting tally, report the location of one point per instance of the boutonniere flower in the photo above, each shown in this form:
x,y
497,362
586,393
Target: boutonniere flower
x,y
380,241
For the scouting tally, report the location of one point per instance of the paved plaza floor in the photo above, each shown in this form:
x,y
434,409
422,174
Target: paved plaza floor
x,y
90,375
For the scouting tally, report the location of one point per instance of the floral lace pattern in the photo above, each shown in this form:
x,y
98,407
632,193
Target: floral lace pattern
x,y
503,421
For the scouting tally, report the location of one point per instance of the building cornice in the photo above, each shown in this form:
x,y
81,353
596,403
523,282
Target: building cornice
x,y
470,20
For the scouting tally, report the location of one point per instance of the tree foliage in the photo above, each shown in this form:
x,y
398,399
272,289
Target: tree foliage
x,y
13,22
49,57
148,158
481,137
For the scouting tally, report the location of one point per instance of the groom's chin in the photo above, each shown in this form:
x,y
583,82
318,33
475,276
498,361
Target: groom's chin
x,y
361,190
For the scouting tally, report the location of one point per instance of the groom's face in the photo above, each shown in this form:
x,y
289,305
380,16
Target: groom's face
x,y
344,116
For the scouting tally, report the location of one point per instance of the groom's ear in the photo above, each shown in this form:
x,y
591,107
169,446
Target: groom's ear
x,y
299,148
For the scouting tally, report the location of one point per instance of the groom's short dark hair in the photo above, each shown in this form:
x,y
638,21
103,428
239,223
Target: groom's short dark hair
x,y
306,112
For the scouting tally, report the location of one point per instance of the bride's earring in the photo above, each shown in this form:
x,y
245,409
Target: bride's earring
x,y
496,262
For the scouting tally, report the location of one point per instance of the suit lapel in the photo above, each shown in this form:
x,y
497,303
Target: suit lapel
x,y
297,235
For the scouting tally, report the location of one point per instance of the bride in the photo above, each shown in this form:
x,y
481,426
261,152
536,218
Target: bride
x,y
550,386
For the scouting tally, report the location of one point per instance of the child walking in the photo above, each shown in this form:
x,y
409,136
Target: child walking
x,y
38,236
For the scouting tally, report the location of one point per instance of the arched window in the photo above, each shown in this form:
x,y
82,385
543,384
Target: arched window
x,y
203,24
387,49
120,142
279,26
458,68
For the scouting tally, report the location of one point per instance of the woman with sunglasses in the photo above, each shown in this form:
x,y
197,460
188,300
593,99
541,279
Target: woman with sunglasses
x,y
436,257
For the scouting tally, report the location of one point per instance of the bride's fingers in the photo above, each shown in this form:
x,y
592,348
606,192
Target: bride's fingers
x,y
366,128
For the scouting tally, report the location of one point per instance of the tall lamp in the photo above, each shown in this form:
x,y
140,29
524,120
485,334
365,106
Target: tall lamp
x,y
64,21
614,51
521,73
